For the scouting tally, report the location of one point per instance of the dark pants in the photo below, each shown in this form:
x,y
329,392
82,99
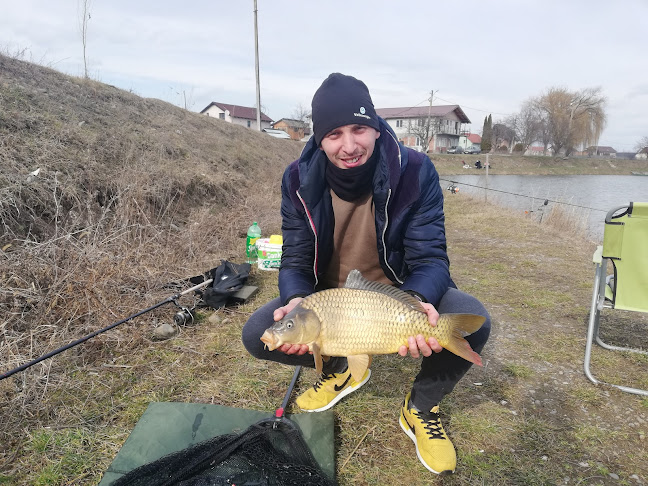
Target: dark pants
x,y
439,373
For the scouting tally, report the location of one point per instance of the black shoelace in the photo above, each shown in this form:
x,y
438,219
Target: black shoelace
x,y
323,378
432,424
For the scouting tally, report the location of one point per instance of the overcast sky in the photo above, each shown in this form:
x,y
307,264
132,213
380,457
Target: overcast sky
x,y
486,56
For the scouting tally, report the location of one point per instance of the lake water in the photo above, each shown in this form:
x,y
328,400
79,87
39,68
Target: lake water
x,y
587,197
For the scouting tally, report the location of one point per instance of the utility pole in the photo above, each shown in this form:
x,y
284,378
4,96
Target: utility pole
x,y
429,124
256,56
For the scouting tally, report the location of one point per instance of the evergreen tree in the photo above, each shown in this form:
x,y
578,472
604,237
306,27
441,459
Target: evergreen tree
x,y
487,135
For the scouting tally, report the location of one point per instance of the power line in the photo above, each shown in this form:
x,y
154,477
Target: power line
x,y
524,195
473,108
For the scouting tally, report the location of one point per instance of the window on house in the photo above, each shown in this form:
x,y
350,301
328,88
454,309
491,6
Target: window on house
x,y
249,123
221,116
399,123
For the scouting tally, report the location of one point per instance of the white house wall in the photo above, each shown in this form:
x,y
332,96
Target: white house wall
x,y
215,112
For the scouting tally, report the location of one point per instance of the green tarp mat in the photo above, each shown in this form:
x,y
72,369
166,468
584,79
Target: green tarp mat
x,y
167,427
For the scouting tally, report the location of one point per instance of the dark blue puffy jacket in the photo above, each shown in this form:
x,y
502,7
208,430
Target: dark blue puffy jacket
x,y
410,227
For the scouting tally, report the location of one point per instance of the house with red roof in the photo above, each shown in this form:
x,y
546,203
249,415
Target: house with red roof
x,y
239,115
447,122
469,140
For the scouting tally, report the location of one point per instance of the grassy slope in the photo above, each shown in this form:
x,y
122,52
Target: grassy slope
x,y
528,417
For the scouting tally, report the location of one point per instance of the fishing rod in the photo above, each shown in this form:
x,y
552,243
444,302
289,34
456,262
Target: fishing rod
x,y
454,189
172,298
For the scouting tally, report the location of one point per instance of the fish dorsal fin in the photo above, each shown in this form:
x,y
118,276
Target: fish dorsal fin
x,y
355,280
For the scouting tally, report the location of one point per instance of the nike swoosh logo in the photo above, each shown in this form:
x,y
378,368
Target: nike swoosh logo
x,y
408,424
338,388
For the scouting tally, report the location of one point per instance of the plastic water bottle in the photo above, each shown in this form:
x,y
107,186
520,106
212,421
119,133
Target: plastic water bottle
x,y
253,234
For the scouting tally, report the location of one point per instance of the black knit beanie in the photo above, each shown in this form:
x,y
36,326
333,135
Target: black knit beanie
x,y
341,100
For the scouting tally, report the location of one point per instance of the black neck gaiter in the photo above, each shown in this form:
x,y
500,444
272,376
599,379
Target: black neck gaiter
x,y
353,183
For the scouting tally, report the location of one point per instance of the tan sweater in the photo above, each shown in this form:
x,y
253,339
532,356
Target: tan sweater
x,y
354,242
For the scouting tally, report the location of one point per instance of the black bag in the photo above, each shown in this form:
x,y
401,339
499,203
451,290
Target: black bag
x,y
228,277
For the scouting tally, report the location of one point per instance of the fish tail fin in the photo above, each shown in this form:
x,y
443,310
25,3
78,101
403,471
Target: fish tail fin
x,y
462,325
459,346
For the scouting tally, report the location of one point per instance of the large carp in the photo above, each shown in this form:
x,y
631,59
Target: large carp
x,y
364,318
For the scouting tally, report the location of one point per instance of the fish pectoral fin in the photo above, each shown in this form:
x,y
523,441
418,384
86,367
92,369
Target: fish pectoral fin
x,y
358,364
317,356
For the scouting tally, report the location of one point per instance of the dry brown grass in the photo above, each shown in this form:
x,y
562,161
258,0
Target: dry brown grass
x,y
142,194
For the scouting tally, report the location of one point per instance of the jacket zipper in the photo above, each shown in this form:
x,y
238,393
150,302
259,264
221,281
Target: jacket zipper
x,y
387,220
383,240
312,225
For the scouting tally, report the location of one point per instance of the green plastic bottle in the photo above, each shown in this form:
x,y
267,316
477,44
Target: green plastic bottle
x,y
253,234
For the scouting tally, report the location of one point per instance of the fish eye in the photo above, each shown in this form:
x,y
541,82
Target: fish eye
x,y
289,323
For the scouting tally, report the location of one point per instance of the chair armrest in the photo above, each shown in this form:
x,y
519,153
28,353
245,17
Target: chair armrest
x,y
598,255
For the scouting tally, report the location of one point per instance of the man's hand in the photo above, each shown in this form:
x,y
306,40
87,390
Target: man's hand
x,y
416,345
279,314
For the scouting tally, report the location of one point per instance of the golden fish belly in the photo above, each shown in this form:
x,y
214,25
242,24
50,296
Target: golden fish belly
x,y
365,322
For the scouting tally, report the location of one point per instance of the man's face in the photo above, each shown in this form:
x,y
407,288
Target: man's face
x,y
350,145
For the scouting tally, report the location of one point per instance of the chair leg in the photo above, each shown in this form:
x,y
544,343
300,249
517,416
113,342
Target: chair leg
x,y
598,296
592,328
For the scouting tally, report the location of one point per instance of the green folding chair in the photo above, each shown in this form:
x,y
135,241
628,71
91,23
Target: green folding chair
x,y
625,244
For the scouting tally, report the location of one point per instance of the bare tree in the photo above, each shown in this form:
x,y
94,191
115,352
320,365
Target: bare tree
x,y
526,125
502,133
642,144
588,118
301,113
424,129
573,118
84,17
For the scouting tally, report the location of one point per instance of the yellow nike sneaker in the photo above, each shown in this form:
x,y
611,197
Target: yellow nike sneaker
x,y
330,389
433,448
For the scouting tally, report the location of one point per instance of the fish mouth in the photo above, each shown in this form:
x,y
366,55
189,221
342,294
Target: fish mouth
x,y
270,340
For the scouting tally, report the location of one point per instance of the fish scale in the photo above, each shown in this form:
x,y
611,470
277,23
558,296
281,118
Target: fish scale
x,y
381,324
365,318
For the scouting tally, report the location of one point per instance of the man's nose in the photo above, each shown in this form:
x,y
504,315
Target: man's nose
x,y
348,143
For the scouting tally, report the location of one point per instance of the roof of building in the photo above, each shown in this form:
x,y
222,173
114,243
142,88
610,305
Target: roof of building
x,y
602,148
276,133
292,123
236,111
474,137
422,111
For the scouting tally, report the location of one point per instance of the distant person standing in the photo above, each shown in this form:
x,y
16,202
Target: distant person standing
x,y
358,199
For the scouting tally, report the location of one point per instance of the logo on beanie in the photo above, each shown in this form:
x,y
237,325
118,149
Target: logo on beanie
x,y
362,113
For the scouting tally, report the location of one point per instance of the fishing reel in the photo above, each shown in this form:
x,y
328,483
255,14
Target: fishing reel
x,y
184,316
453,188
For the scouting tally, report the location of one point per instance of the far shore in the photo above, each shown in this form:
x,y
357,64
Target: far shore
x,y
503,164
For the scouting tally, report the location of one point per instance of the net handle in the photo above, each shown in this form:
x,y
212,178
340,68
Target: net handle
x,y
280,411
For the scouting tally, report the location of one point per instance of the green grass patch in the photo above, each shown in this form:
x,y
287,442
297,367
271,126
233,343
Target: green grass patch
x,y
518,370
60,456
